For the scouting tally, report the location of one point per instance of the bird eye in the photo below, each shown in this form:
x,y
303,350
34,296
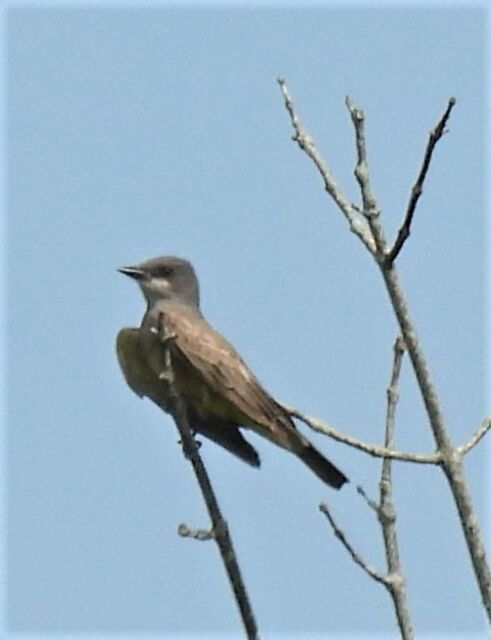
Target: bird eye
x,y
165,272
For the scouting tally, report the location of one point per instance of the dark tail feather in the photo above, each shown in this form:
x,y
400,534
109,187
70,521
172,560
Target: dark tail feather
x,y
227,435
322,467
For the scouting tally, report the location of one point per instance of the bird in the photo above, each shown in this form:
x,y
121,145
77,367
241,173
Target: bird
x,y
220,393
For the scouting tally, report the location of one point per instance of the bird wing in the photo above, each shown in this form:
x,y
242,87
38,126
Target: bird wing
x,y
215,370
229,385
144,382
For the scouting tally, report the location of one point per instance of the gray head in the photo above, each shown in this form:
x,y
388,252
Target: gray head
x,y
166,278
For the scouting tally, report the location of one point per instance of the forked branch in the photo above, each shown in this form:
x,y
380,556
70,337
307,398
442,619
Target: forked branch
x,y
451,457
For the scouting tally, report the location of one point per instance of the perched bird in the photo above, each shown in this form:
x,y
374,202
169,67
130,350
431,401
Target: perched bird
x,y
219,392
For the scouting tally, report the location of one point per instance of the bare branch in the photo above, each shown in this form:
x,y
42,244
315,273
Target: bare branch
x,y
370,502
392,399
451,460
386,510
339,533
370,207
417,190
393,581
306,143
449,456
220,528
373,449
480,432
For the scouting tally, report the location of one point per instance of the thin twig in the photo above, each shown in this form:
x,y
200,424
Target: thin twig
x,y
373,504
370,207
306,143
220,528
480,432
433,138
373,449
362,175
339,533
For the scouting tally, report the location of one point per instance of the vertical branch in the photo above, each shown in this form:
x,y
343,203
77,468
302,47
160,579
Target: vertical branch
x,y
220,528
393,580
451,457
386,511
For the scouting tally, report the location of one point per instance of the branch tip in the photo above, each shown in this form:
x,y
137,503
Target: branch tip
x,y
405,229
197,534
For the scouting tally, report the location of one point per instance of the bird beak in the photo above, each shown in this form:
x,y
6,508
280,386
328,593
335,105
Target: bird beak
x,y
133,272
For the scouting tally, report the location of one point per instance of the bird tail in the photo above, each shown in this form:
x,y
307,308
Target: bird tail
x,y
227,435
321,466
288,437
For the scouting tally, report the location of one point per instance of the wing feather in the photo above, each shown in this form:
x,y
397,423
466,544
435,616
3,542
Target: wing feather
x,y
223,371
144,382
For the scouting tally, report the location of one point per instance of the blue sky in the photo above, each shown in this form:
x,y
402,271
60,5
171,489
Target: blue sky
x,y
141,131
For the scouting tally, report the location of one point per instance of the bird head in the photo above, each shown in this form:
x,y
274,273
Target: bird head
x,y
166,278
